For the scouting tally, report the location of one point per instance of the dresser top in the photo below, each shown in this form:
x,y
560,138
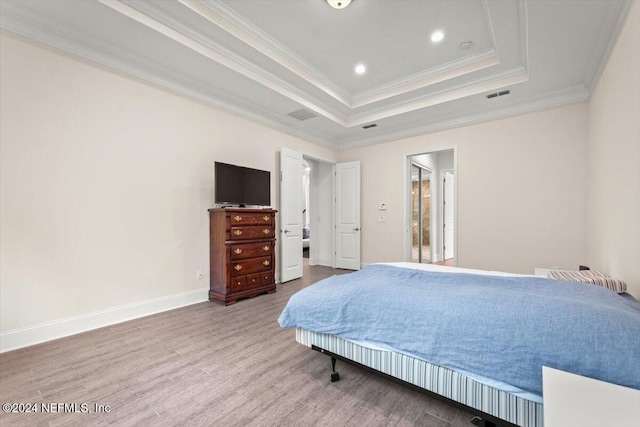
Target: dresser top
x,y
245,210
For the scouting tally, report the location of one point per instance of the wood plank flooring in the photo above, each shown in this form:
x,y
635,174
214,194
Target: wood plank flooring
x,y
207,365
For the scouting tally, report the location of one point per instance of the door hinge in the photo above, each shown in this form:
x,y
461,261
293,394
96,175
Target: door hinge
x,y
280,176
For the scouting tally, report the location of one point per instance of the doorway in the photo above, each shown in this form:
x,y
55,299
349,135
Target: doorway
x,y
430,232
322,197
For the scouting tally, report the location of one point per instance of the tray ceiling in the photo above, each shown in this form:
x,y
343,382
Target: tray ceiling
x,y
268,59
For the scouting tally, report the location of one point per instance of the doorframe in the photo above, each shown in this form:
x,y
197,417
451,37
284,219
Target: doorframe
x,y
406,185
278,276
441,208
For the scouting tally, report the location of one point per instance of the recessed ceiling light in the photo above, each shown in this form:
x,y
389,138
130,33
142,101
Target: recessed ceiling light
x,y
339,4
360,69
437,36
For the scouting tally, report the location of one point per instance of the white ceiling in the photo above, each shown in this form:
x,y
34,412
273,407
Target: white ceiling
x,y
265,59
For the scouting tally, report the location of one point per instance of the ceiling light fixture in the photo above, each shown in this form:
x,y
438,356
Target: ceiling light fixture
x,y
339,4
360,69
437,36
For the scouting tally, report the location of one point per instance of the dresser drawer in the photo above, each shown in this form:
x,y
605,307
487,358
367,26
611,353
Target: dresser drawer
x,y
253,265
238,283
253,280
251,232
266,278
250,250
239,218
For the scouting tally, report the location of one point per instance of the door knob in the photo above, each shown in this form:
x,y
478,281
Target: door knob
x,y
286,231
356,229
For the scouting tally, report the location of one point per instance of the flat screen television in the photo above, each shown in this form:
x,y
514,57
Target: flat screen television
x,y
237,185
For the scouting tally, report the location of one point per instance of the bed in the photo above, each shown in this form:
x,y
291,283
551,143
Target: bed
x,y
475,338
305,238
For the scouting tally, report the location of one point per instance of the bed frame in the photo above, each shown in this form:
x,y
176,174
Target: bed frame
x,y
423,375
481,419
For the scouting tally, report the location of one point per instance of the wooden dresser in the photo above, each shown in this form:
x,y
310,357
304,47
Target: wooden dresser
x,y
242,258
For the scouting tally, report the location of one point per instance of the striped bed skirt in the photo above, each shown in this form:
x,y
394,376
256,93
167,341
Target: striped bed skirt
x,y
437,379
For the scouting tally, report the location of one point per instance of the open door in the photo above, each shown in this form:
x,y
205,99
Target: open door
x,y
348,215
291,207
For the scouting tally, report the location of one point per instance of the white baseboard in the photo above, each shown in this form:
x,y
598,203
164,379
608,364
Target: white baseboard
x,y
320,261
30,335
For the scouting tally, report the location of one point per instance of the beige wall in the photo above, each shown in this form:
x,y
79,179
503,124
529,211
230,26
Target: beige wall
x,y
613,209
521,191
105,185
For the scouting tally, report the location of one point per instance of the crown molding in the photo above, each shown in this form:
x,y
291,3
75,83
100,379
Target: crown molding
x,y
569,95
507,78
428,77
227,19
106,54
152,10
523,26
614,19
269,81
489,21
103,54
26,24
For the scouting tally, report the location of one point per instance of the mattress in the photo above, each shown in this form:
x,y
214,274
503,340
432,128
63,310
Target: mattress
x,y
437,379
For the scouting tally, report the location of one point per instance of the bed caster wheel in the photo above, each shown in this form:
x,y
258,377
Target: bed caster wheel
x,y
335,377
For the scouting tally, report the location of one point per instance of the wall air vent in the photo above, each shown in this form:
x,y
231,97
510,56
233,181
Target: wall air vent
x,y
495,95
372,125
303,114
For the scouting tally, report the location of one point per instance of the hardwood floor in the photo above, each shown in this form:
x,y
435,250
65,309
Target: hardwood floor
x,y
207,365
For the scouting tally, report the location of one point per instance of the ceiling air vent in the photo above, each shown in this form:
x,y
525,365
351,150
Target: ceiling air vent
x,y
372,125
494,95
303,114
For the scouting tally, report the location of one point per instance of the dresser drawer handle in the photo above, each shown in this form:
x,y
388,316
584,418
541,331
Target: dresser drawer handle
x,y
266,218
265,248
266,231
237,267
237,251
265,263
237,232
253,280
238,218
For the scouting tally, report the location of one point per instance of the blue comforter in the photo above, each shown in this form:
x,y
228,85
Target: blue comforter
x,y
502,328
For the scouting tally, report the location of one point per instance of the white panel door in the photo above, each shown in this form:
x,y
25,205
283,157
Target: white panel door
x,y
448,200
348,215
291,207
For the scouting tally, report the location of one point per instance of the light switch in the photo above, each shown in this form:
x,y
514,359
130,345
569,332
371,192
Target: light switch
x,y
382,206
